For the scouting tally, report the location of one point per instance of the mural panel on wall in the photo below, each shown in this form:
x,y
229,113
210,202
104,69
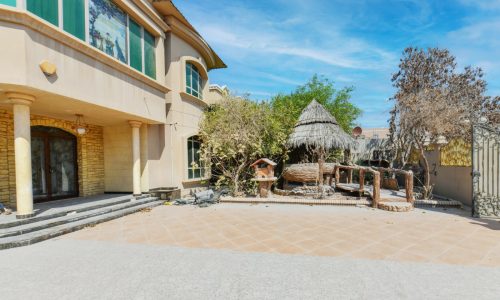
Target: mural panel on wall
x,y
108,28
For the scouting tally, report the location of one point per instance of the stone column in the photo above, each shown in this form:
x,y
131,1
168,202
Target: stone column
x,y
136,156
22,151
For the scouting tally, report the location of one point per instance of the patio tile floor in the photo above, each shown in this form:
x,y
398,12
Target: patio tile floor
x,y
433,236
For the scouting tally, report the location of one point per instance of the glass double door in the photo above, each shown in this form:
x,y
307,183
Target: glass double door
x,y
53,163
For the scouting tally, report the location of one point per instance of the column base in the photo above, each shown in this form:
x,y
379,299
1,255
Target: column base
x,y
25,216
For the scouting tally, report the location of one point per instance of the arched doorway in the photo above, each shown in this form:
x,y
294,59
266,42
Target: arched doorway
x,y
54,164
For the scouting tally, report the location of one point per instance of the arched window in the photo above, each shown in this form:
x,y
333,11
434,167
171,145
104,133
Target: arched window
x,y
196,167
193,81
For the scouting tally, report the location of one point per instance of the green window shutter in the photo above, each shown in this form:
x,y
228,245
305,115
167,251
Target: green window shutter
x,y
8,2
149,55
45,9
135,45
74,17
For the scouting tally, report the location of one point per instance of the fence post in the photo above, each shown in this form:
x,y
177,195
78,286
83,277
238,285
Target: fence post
x,y
376,188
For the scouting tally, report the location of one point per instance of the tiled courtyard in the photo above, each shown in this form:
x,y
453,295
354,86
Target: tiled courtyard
x,y
423,235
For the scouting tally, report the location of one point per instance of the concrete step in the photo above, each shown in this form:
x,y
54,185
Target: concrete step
x,y
73,208
71,216
74,223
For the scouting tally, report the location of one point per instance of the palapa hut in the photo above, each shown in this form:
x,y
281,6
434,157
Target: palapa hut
x,y
319,131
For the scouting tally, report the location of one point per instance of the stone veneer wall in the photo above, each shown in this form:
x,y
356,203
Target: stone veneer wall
x,y
90,152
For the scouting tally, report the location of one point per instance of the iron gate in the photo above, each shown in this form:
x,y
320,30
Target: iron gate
x,y
485,171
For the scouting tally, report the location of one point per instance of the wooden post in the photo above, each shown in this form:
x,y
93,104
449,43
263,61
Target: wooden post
x,y
349,175
409,187
376,188
337,175
361,181
321,163
328,179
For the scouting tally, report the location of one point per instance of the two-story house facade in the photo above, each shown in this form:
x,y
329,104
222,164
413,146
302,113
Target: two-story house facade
x,y
98,96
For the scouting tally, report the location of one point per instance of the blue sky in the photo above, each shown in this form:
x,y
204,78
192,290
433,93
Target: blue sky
x,y
272,46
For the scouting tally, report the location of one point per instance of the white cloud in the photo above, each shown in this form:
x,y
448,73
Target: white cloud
x,y
245,31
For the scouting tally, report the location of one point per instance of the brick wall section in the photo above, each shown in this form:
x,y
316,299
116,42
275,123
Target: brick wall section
x,y
89,149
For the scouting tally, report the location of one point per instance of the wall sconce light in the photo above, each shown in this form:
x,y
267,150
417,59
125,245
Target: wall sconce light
x,y
48,68
80,126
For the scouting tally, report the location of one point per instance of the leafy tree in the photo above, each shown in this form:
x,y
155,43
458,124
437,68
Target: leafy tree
x,y
234,134
435,102
287,108
238,131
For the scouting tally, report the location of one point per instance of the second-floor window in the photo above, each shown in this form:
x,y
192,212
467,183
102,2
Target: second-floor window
x,y
193,81
110,29
47,9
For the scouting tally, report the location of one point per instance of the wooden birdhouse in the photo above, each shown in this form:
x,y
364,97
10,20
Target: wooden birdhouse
x,y
264,168
264,175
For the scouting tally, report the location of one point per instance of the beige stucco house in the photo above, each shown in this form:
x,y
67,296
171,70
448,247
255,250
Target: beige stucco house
x,y
99,96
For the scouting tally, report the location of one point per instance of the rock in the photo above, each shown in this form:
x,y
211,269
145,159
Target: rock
x,y
396,206
205,195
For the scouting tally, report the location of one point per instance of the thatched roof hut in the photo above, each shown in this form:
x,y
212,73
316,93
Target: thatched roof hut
x,y
317,128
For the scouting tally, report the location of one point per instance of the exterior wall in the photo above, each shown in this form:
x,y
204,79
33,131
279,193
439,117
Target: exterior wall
x,y
183,115
216,94
449,181
374,133
118,158
108,93
27,40
89,151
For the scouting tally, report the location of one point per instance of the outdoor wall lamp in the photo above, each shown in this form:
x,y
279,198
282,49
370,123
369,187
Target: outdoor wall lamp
x,y
48,68
80,126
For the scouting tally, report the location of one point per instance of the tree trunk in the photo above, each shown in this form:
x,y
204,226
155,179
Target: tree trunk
x,y
236,179
427,177
236,188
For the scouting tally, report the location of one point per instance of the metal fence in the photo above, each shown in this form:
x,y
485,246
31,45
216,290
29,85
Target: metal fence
x,y
486,171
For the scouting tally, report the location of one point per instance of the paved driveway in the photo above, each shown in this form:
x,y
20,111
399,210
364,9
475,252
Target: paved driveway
x,y
259,252
438,236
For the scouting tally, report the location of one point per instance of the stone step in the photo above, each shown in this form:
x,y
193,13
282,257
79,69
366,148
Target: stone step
x,y
438,203
71,216
290,200
74,208
51,232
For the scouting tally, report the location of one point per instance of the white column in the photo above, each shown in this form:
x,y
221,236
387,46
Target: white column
x,y
22,152
136,156
144,159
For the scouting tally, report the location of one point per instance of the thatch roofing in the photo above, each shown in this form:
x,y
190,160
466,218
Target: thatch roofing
x,y
318,128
